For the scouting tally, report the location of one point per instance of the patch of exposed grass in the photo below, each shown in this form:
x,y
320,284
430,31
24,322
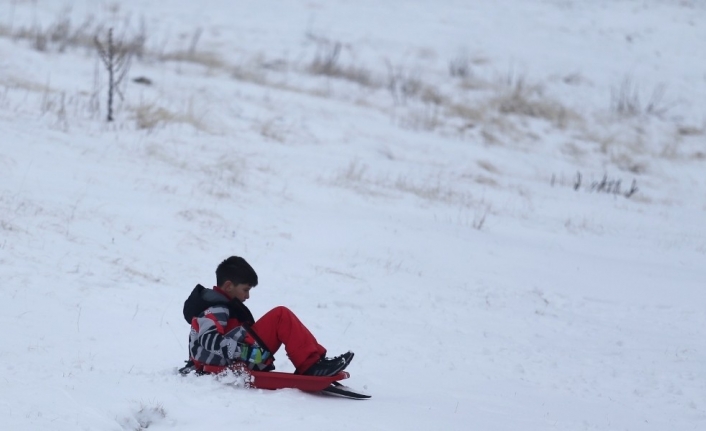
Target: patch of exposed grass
x,y
64,33
490,113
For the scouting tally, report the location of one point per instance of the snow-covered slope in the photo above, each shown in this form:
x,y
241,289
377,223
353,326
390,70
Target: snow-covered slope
x,y
404,176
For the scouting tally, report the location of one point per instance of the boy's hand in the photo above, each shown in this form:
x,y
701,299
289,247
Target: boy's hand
x,y
253,354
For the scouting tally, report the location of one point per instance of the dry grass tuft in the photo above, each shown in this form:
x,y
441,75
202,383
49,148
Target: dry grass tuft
x,y
327,63
210,60
149,116
471,114
520,98
625,100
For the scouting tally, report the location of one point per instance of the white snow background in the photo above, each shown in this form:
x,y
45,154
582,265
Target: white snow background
x,y
401,174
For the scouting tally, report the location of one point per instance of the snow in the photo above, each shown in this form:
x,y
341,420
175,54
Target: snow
x,y
452,253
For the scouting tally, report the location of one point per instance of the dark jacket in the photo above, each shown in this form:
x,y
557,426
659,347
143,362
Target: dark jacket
x,y
217,335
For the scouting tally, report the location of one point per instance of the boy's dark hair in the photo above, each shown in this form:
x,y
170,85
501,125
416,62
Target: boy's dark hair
x,y
237,270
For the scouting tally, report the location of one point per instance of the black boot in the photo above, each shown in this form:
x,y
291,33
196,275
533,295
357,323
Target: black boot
x,y
330,366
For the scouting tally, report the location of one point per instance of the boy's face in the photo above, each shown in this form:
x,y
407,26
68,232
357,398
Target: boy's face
x,y
240,291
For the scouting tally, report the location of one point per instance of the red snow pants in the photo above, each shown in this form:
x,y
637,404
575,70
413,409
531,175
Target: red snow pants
x,y
280,326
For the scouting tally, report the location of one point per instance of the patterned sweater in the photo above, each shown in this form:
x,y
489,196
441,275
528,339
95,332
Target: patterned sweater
x,y
216,338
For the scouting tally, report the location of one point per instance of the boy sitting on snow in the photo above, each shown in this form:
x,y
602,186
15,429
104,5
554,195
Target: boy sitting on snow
x,y
223,330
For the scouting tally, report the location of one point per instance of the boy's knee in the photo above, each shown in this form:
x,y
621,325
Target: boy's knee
x,y
281,309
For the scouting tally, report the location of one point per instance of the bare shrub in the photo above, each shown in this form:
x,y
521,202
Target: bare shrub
x,y
116,59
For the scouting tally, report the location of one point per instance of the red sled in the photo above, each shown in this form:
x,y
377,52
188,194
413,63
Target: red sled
x,y
276,380
327,385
